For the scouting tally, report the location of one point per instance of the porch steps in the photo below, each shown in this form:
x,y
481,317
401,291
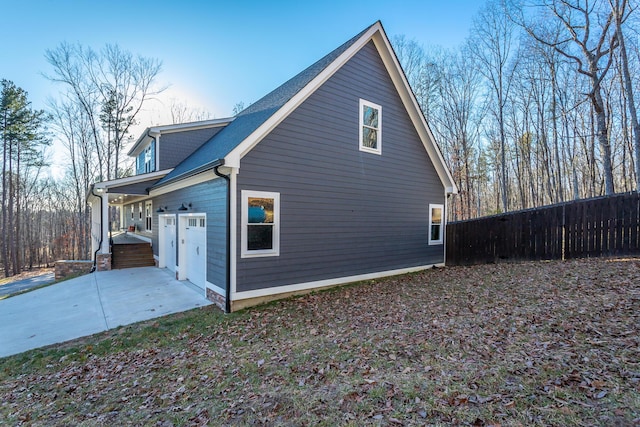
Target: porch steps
x,y
131,255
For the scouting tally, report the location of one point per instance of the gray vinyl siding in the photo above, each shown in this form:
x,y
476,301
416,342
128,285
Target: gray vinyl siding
x,y
177,146
206,198
343,212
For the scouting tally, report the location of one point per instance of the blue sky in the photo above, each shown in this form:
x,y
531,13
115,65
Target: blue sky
x,y
214,53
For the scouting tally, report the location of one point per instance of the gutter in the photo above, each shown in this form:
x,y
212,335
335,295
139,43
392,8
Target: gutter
x,y
227,288
95,254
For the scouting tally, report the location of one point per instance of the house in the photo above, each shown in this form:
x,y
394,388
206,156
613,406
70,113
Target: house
x,y
333,177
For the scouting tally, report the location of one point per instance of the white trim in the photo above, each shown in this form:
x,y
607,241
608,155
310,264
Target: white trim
x,y
131,179
215,288
233,158
433,206
148,215
157,152
184,183
233,224
156,131
377,34
378,150
275,250
162,250
445,213
328,282
183,223
410,102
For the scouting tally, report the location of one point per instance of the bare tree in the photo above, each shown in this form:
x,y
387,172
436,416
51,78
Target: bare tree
x,y
491,44
181,112
458,122
111,86
590,31
621,11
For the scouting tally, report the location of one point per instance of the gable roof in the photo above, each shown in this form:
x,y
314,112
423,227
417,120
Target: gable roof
x,y
253,123
154,131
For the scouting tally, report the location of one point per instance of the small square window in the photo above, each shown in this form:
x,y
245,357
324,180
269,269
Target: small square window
x,y
436,224
260,223
370,127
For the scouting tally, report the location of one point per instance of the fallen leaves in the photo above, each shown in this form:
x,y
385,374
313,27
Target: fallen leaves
x,y
548,343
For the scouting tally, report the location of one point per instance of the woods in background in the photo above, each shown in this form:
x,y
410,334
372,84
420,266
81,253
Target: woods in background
x,y
537,107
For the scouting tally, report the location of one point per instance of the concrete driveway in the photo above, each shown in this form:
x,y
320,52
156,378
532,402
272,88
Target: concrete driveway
x,y
24,284
90,304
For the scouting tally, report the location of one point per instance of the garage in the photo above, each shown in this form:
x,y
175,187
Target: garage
x,y
167,250
194,250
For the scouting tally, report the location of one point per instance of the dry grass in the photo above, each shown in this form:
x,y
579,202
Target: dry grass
x,y
550,343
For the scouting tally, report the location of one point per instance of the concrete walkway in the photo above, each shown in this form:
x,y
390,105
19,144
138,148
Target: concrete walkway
x,y
90,304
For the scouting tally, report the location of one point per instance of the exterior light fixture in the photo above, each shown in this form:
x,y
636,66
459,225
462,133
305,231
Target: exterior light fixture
x,y
183,208
160,210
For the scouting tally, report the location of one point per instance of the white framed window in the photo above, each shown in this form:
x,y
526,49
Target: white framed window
x,y
133,209
370,127
436,224
260,231
148,213
140,211
149,165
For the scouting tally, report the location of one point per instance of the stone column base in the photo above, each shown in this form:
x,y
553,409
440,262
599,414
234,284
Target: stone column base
x,y
216,298
103,262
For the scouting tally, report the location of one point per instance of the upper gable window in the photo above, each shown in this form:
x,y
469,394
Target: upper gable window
x,y
149,161
370,127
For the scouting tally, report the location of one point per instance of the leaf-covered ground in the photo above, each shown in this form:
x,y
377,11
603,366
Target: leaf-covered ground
x,y
547,343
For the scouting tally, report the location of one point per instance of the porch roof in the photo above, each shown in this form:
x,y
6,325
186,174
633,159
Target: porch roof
x,y
126,190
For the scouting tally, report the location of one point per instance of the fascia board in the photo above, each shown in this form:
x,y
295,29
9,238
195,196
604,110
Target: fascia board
x,y
132,179
194,125
415,113
199,178
158,130
232,159
375,33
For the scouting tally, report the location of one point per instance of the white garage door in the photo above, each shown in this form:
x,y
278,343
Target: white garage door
x,y
196,242
168,245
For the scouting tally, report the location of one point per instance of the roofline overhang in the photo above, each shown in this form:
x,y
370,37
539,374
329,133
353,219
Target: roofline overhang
x,y
377,34
155,131
188,174
401,82
106,185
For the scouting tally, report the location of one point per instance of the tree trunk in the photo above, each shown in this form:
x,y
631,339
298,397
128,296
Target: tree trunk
x,y
602,135
5,243
628,87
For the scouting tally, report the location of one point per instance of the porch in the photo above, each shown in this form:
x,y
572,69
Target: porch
x,y
121,222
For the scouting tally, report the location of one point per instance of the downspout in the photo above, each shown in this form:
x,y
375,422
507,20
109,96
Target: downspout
x,y
227,288
95,254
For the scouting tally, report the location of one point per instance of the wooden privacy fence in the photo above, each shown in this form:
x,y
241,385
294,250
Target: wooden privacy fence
x,y
602,226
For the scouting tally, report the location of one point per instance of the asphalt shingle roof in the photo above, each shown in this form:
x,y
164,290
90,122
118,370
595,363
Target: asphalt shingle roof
x,y
252,117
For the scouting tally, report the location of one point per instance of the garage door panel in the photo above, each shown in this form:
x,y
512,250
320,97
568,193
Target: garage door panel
x,y
168,245
195,242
